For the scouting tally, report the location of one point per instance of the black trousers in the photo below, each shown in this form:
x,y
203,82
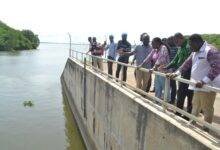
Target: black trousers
x,y
173,91
149,84
123,60
110,64
184,92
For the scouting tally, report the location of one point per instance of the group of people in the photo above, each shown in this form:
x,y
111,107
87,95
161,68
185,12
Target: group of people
x,y
193,59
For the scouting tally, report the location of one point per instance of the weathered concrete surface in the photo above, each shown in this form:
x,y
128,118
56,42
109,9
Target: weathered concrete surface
x,y
114,118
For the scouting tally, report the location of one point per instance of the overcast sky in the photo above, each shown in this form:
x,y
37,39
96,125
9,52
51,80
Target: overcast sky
x,y
52,19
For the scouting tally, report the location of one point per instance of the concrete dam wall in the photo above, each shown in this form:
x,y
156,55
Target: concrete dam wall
x,y
114,118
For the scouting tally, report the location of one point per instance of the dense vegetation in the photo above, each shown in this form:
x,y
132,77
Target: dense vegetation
x,y
213,39
11,39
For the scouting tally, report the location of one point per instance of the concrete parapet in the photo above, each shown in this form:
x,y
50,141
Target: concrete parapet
x,y
114,118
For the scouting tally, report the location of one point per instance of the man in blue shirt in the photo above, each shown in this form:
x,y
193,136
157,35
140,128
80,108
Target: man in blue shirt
x,y
112,47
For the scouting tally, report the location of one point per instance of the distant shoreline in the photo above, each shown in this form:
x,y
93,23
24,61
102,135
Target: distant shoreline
x,y
63,43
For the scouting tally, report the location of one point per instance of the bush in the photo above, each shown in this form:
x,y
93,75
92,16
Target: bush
x,y
213,39
11,39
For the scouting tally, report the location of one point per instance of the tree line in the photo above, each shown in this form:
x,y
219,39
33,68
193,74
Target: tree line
x,y
12,39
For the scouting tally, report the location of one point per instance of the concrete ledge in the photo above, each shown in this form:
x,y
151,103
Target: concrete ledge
x,y
90,145
112,117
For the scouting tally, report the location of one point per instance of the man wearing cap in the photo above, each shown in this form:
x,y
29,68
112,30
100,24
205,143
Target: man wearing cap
x,y
123,46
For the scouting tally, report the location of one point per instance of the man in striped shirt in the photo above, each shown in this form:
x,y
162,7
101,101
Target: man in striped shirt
x,y
172,52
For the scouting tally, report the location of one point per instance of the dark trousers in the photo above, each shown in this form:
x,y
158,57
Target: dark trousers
x,y
110,64
173,91
184,92
123,60
149,84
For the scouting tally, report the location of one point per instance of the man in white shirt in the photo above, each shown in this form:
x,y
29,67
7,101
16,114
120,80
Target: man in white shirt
x,y
205,63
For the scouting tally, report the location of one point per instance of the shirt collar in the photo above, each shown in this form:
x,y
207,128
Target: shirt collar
x,y
145,46
202,49
161,46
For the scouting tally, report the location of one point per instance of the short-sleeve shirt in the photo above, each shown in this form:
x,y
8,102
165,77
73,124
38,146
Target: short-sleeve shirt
x,y
141,52
126,46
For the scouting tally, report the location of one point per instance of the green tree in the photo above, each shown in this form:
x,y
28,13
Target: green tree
x,y
31,37
11,39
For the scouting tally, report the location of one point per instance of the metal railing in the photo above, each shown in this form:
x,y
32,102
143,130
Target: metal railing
x,y
86,59
165,105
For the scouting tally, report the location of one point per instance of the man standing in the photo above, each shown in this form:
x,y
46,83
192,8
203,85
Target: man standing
x,y
205,63
97,50
123,46
112,47
90,48
182,54
172,53
140,53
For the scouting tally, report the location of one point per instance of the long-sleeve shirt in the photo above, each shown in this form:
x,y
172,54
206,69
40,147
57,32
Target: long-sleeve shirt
x,y
205,65
182,54
173,52
162,57
152,57
112,47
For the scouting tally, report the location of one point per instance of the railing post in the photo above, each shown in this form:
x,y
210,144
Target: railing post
x,y
84,102
77,56
166,90
122,74
81,57
85,63
70,46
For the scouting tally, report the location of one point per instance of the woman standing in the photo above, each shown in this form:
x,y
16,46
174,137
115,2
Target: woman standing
x,y
160,56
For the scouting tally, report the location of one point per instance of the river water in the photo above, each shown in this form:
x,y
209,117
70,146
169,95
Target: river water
x,y
35,76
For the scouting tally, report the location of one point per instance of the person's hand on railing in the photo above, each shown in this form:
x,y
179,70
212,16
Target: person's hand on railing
x,y
120,52
199,84
171,75
161,67
164,67
151,70
156,67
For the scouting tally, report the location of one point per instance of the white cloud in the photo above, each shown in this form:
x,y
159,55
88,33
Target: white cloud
x,y
98,17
